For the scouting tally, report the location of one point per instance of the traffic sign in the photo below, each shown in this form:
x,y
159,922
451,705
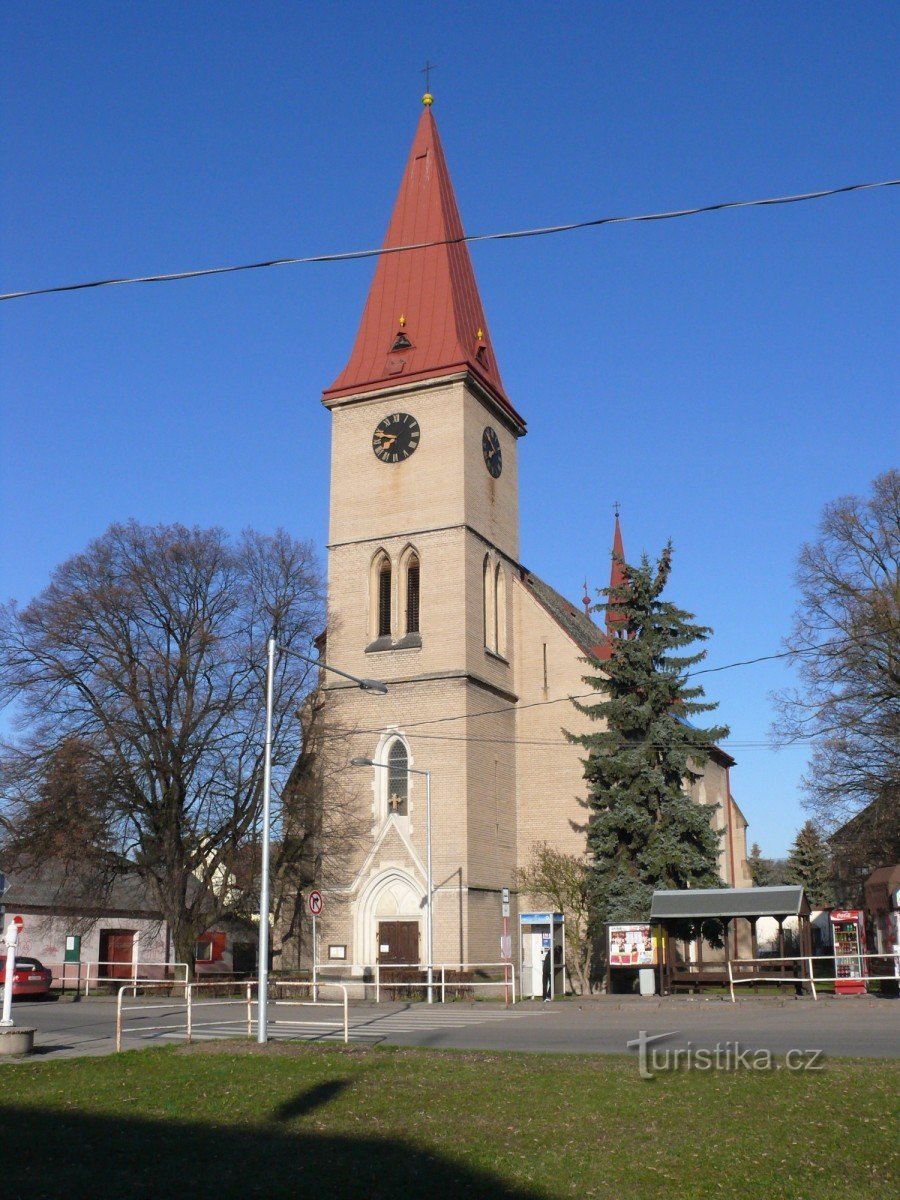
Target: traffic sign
x,y
19,923
315,903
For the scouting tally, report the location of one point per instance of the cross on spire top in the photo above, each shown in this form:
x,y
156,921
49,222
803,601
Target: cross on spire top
x,y
428,99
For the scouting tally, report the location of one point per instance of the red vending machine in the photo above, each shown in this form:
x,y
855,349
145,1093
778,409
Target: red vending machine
x,y
849,934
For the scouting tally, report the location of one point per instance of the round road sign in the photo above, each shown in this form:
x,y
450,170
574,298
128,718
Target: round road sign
x,y
315,903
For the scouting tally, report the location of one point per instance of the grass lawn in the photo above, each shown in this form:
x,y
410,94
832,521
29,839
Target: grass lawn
x,y
234,1120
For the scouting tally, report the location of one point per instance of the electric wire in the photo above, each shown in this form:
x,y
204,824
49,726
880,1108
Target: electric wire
x,y
509,235
336,734
491,712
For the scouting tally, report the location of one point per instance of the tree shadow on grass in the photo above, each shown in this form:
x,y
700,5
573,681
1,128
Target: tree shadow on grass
x,y
309,1100
48,1154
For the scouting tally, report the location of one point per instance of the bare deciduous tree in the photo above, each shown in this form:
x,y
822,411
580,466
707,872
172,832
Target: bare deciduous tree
x,y
146,656
316,838
846,639
564,881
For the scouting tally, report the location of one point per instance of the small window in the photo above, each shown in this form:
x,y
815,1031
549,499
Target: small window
x,y
203,950
384,599
412,595
398,779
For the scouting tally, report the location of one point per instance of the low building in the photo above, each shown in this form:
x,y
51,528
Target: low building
x,y
89,931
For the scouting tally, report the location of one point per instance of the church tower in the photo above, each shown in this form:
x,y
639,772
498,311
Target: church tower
x,y
426,592
423,550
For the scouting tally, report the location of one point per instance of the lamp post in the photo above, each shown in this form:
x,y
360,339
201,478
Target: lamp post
x,y
429,926
367,685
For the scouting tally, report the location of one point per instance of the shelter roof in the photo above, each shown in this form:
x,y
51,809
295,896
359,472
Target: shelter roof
x,y
700,903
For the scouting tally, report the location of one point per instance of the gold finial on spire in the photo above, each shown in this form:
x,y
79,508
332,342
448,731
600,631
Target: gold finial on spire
x,y
428,99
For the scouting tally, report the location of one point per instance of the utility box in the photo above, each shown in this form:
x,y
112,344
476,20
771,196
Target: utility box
x,y
73,948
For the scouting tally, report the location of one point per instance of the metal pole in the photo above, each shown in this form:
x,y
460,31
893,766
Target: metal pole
x,y
315,990
429,925
506,956
262,1027
12,939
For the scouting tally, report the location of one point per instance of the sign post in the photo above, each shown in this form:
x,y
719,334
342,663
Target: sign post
x,y
315,907
12,940
506,946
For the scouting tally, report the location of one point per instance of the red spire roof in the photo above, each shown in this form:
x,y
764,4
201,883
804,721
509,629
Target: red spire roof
x,y
617,577
423,318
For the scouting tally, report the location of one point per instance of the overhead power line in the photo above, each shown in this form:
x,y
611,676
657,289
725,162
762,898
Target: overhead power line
x,y
342,733
593,695
542,231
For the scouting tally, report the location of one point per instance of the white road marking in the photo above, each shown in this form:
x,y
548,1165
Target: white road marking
x,y
363,1027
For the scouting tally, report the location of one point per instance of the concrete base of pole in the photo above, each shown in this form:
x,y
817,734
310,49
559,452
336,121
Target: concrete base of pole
x,y
16,1040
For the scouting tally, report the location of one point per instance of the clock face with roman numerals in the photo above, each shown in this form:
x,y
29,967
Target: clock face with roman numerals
x,y
396,437
490,448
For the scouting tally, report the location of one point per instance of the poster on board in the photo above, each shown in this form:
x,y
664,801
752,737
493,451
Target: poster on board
x,y
633,945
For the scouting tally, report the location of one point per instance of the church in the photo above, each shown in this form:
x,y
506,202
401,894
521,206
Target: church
x,y
426,592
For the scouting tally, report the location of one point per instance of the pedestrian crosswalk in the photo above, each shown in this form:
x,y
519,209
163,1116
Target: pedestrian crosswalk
x,y
364,1026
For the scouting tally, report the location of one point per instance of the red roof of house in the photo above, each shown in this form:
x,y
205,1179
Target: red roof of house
x,y
423,318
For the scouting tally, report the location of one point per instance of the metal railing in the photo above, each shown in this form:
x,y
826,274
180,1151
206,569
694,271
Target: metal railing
x,y
82,973
507,981
187,1006
810,977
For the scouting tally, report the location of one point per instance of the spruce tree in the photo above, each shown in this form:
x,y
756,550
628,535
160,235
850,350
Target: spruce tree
x,y
645,832
760,868
809,864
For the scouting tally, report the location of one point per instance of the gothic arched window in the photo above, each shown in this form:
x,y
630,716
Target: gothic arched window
x,y
398,778
490,622
383,597
412,594
500,610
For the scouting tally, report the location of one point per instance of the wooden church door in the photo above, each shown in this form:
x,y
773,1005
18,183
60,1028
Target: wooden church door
x,y
398,942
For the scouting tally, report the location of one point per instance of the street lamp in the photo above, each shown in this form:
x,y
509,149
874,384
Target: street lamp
x,y
429,927
367,685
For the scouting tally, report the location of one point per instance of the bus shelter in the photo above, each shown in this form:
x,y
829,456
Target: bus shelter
x,y
542,934
688,966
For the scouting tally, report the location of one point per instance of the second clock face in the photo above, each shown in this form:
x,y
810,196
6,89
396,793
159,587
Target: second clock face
x,y
490,448
396,437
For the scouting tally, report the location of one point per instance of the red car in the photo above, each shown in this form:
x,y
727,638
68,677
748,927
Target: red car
x,y
30,977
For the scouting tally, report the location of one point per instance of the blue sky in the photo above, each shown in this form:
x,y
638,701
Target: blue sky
x,y
723,376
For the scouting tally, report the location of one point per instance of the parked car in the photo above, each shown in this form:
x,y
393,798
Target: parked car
x,y
30,977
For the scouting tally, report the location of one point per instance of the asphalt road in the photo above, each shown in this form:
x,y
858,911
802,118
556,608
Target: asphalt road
x,y
849,1026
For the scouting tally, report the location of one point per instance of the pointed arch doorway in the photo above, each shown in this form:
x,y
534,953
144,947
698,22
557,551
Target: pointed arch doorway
x,y
389,919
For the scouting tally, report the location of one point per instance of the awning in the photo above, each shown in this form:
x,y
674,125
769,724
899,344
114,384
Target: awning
x,y
694,904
